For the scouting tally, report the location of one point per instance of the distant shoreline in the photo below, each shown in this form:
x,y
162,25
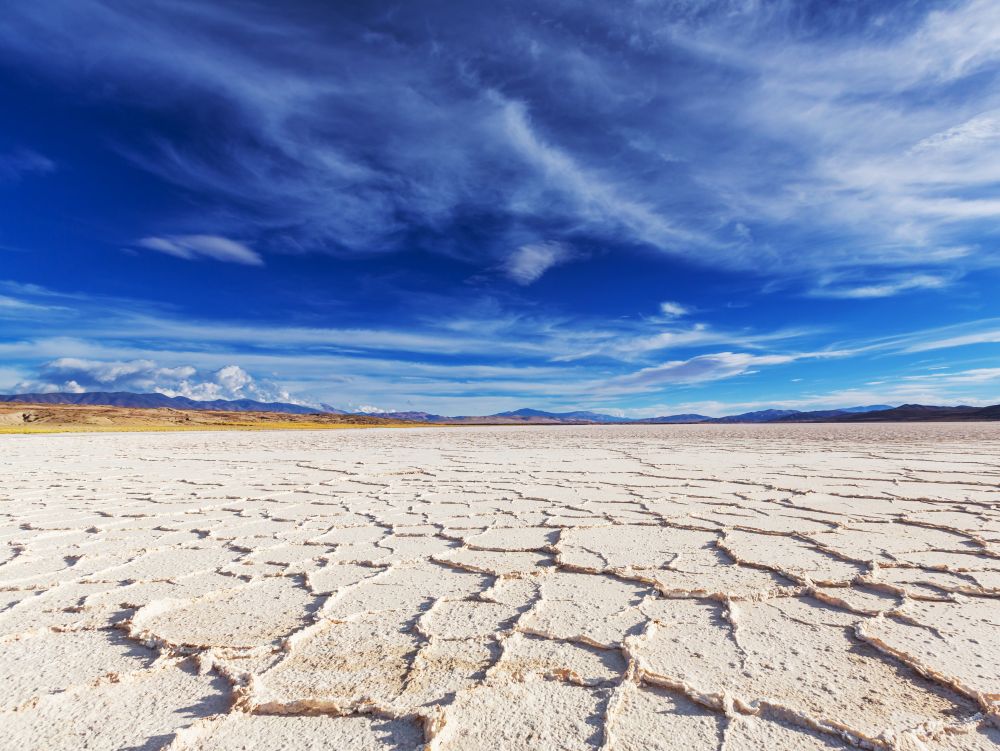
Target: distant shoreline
x,y
42,419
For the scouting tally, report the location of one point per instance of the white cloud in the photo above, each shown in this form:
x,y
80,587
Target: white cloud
x,y
973,375
234,379
887,288
528,263
973,133
899,143
369,409
639,345
932,340
13,306
697,369
673,309
17,164
194,247
596,198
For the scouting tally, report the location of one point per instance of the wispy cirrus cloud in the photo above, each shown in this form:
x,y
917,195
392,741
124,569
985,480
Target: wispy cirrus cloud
x,y
962,377
23,162
790,143
930,343
670,309
528,263
447,364
518,337
886,287
968,334
699,369
197,247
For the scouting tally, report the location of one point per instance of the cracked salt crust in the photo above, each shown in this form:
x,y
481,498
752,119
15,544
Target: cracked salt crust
x,y
230,619
536,714
466,619
956,641
744,733
49,662
717,587
140,710
790,556
524,655
494,562
341,666
242,732
593,609
647,718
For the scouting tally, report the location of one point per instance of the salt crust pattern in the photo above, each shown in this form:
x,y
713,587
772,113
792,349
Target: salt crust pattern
x,y
676,587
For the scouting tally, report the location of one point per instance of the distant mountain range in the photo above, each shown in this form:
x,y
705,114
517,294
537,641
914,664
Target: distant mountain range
x,y
925,413
870,413
794,415
540,417
537,416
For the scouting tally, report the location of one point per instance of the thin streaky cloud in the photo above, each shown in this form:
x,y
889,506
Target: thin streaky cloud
x,y
199,247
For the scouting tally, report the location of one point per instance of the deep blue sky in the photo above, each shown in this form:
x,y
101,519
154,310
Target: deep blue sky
x,y
650,207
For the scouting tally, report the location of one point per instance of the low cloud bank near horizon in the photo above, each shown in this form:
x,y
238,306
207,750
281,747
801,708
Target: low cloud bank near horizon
x,y
75,375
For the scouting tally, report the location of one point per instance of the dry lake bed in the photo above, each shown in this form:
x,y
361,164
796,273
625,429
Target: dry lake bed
x,y
652,587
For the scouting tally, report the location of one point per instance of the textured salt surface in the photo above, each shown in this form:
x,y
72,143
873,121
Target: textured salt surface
x,y
676,587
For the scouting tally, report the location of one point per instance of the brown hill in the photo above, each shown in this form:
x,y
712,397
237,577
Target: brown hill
x,y
46,418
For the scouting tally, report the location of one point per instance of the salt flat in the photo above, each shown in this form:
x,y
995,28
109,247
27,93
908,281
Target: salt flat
x,y
653,587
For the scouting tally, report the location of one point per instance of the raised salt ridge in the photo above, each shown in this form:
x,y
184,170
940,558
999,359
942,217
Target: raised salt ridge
x,y
605,587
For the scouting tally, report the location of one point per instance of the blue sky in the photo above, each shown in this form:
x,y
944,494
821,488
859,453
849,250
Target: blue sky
x,y
643,208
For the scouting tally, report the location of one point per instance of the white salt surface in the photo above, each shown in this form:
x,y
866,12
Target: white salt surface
x,y
617,588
